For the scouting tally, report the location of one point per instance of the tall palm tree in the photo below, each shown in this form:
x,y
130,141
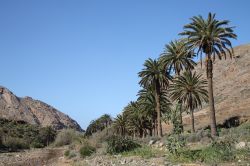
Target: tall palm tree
x,y
153,75
189,88
177,57
212,37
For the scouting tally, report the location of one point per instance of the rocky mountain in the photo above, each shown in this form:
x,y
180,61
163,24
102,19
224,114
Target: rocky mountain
x,y
231,83
33,111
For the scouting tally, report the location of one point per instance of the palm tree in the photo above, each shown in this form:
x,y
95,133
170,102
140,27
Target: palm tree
x,y
106,119
189,88
147,100
47,134
153,75
120,123
177,57
211,37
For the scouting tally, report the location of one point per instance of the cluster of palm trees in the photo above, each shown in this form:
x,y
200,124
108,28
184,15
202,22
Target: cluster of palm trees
x,y
169,83
99,124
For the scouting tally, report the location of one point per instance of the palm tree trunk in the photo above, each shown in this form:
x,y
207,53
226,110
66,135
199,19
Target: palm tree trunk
x,y
151,132
180,111
192,120
154,130
158,110
211,96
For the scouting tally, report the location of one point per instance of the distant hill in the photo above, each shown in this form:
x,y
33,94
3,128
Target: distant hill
x,y
33,111
231,81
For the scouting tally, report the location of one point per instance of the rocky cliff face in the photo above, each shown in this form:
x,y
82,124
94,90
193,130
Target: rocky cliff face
x,y
231,78
33,111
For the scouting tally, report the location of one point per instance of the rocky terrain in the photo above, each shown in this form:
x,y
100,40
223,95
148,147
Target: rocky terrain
x,y
33,111
231,90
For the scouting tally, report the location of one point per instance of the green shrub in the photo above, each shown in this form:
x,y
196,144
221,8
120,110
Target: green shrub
x,y
145,152
14,143
219,151
24,135
86,150
175,143
118,144
36,144
65,137
185,155
47,135
66,153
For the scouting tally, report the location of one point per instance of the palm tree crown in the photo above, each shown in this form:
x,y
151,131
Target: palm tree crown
x,y
210,36
190,89
153,74
177,57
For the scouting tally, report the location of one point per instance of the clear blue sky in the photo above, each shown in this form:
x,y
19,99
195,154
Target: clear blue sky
x,y
82,57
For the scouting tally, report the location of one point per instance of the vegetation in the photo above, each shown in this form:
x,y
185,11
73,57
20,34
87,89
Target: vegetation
x,y
154,76
218,151
17,135
176,58
169,88
175,143
215,153
66,137
99,124
118,144
144,152
211,37
190,90
86,150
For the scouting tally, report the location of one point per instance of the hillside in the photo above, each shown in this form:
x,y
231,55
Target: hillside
x,y
231,90
33,111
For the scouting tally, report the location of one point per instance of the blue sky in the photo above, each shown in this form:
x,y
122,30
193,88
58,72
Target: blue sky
x,y
82,57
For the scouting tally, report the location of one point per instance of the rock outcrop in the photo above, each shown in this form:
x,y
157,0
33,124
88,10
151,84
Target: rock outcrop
x,y
231,83
33,111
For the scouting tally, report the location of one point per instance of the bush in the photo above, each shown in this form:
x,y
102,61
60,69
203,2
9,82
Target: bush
x,y
47,135
23,135
86,150
145,152
65,137
175,143
36,144
217,152
66,153
15,143
118,144
72,155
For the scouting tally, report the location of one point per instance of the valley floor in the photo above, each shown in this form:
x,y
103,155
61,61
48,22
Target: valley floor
x,y
55,157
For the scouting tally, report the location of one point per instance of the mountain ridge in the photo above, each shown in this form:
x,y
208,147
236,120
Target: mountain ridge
x,y
33,111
